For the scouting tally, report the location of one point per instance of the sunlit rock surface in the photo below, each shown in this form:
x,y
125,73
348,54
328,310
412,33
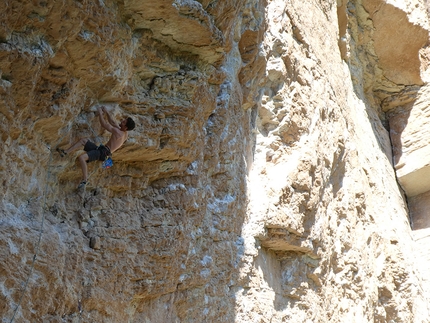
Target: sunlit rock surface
x,y
259,184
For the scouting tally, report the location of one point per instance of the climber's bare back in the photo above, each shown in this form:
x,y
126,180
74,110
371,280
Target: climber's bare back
x,y
117,139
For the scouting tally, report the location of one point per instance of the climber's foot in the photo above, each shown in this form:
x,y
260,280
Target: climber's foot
x,y
82,184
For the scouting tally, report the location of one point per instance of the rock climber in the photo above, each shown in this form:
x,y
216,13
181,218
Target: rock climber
x,y
102,152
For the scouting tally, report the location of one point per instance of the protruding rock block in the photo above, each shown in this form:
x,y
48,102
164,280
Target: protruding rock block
x,y
95,243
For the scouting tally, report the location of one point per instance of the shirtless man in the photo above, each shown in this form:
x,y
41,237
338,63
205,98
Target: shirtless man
x,y
94,152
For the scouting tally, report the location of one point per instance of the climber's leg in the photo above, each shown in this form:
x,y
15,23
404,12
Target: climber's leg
x,y
83,159
92,154
78,144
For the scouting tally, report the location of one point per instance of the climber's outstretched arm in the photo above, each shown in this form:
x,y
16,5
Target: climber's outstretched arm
x,y
102,120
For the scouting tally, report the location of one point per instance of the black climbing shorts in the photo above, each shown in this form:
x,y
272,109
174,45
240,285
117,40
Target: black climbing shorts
x,y
95,152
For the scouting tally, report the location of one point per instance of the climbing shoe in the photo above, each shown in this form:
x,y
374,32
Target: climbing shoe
x,y
62,152
82,184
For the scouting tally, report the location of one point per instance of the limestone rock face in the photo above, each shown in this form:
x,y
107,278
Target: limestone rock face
x,y
322,185
156,237
397,45
258,186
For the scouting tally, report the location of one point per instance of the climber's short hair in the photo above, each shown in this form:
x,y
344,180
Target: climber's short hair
x,y
130,124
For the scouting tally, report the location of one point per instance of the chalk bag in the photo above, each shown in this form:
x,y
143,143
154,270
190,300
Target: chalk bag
x,y
108,163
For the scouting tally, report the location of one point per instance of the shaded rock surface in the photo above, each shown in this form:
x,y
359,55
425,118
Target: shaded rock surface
x,y
259,184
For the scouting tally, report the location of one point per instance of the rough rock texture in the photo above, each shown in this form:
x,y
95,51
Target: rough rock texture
x,y
332,226
160,222
259,184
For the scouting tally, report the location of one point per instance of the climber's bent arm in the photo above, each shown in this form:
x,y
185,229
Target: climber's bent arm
x,y
111,121
103,122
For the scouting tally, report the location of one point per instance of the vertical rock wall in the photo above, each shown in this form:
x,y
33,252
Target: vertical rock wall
x,y
327,237
258,185
156,237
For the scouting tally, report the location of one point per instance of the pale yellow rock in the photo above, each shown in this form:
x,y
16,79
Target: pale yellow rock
x,y
330,189
259,184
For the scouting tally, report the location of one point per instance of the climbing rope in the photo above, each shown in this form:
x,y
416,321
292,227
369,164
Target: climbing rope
x,y
39,239
96,137
37,248
48,173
